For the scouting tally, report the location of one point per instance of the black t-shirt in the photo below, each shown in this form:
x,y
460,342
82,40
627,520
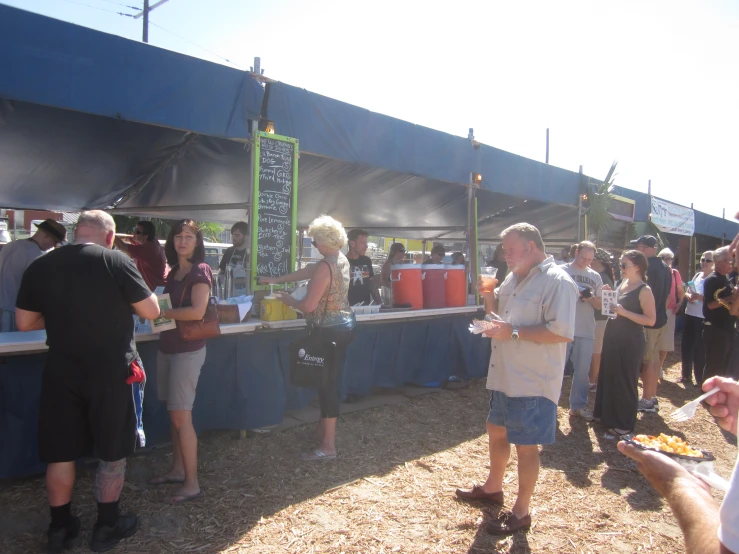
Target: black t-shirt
x,y
233,257
85,292
718,317
659,279
360,273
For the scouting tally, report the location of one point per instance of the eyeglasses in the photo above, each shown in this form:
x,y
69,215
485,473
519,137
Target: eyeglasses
x,y
624,266
706,261
314,243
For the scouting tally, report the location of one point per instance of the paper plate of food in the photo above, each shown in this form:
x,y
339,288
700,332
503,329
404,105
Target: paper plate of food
x,y
671,446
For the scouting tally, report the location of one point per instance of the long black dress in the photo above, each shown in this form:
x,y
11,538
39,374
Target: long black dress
x,y
617,397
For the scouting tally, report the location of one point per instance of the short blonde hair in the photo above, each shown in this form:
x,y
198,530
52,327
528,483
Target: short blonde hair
x,y
98,220
327,231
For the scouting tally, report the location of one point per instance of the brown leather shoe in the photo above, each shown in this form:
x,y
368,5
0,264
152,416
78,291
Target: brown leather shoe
x,y
476,493
507,524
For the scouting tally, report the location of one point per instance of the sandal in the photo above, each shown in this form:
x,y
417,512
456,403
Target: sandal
x,y
180,498
317,455
165,480
614,434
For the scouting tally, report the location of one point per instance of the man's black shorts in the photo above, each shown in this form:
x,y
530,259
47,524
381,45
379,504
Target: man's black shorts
x,y
85,405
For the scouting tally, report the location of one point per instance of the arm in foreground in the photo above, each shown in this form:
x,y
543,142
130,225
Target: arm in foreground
x,y
299,275
148,308
692,504
316,287
29,321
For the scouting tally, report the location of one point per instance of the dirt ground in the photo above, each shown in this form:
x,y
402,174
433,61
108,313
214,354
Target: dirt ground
x,y
390,490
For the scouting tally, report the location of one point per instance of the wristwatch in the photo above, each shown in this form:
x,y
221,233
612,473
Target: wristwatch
x,y
514,334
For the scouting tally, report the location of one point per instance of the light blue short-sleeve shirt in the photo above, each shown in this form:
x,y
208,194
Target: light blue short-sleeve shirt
x,y
547,296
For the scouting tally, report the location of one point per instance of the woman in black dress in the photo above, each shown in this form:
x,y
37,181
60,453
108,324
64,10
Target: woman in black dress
x,y
617,397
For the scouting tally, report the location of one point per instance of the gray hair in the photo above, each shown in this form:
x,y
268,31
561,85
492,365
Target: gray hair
x,y
527,232
97,219
721,254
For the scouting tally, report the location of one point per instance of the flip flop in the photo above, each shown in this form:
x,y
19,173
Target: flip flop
x,y
180,498
164,480
317,455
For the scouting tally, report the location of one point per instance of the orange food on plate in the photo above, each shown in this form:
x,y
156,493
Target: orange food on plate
x,y
669,444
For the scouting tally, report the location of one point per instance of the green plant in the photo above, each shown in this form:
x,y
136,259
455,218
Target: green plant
x,y
127,224
600,199
639,228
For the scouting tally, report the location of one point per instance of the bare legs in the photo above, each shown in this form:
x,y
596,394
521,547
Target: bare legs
x,y
59,483
528,468
327,435
594,368
649,376
184,453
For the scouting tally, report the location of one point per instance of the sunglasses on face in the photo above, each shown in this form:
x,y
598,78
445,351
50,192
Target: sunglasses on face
x,y
706,261
624,266
137,232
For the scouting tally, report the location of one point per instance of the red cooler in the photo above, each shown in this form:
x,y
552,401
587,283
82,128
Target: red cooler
x,y
456,286
407,288
434,288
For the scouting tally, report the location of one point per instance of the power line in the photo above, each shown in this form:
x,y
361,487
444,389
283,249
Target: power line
x,y
98,8
119,4
196,45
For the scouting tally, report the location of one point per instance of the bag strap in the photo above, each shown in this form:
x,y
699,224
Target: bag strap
x,y
331,282
184,288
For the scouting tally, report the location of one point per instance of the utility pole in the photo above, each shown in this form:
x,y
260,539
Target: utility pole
x,y
145,14
145,38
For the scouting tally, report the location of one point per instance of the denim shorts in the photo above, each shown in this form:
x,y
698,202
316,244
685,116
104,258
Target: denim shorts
x,y
528,420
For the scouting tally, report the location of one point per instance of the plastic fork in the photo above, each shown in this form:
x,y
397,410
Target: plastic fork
x,y
688,411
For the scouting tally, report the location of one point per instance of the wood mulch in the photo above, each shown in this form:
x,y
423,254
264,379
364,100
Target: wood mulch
x,y
391,489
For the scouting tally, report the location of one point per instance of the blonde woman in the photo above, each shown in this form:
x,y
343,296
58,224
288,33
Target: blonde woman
x,y
326,307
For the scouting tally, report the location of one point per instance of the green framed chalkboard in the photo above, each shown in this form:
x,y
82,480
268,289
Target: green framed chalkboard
x,y
274,206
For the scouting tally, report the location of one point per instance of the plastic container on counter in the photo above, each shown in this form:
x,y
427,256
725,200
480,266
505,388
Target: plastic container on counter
x,y
434,286
456,286
407,285
272,309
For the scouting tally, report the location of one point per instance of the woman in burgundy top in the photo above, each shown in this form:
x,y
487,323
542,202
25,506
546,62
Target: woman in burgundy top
x,y
179,361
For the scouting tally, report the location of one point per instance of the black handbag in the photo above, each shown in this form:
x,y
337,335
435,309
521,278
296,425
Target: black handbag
x,y
312,358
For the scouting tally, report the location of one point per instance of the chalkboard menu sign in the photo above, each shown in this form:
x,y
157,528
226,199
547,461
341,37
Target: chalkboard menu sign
x,y
275,206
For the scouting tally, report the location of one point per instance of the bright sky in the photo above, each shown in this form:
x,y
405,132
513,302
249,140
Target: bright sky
x,y
652,84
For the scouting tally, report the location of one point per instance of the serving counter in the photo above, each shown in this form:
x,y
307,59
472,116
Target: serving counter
x,y
244,383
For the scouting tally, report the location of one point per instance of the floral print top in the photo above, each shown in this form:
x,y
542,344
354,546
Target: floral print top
x,y
335,300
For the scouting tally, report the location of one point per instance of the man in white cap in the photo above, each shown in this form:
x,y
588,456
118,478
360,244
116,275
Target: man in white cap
x,y
15,258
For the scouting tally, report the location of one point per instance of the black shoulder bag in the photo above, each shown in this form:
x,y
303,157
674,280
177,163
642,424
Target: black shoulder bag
x,y
312,357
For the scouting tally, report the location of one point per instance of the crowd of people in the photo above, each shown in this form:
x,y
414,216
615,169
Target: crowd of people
x,y
547,314
543,315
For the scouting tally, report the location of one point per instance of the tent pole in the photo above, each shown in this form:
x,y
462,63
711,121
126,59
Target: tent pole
x,y
579,208
691,254
474,261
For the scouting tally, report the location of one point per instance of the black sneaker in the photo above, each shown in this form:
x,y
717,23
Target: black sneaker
x,y
105,537
61,539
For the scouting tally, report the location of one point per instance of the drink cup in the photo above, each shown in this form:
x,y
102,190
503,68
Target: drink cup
x,y
487,278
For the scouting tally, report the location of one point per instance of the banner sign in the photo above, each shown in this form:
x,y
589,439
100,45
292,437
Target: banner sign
x,y
671,218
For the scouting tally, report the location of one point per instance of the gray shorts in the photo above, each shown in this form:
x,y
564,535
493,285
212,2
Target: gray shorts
x,y
177,378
